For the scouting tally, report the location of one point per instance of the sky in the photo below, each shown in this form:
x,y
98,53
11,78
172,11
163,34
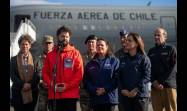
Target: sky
x,y
97,2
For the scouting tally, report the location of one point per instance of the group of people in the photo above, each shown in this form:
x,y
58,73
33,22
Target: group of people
x,y
99,78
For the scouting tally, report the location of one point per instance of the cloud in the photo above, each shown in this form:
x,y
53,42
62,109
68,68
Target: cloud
x,y
26,2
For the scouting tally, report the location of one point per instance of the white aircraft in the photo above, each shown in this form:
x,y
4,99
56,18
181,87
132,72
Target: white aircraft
x,y
103,21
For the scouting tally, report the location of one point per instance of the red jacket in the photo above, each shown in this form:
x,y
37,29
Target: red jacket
x,y
69,72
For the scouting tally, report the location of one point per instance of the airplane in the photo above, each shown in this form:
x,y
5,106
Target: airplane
x,y
103,21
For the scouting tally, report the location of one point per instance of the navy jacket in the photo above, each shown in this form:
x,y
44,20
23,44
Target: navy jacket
x,y
102,73
164,65
135,72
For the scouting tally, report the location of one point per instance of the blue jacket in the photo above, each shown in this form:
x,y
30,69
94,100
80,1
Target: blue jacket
x,y
102,73
135,72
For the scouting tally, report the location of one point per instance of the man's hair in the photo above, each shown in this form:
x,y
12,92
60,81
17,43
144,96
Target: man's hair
x,y
90,37
25,37
63,29
162,28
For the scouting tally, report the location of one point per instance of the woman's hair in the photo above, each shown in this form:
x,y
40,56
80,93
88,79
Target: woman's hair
x,y
109,50
25,37
138,39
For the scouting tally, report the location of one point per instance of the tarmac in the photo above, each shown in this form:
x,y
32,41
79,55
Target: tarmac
x,y
79,109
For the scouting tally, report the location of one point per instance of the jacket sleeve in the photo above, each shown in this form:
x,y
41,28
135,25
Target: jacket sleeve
x,y
87,82
46,72
153,78
14,74
120,79
146,72
114,79
172,66
77,72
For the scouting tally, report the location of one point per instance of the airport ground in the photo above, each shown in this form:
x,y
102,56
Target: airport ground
x,y
78,107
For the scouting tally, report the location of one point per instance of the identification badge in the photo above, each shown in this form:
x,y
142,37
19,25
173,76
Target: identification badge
x,y
68,62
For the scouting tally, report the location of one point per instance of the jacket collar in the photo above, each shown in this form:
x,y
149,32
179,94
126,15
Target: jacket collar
x,y
161,45
69,47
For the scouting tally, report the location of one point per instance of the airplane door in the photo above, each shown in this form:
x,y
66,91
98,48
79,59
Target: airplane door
x,y
18,19
169,23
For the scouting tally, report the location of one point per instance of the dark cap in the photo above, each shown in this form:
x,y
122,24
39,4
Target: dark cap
x,y
48,38
90,37
123,32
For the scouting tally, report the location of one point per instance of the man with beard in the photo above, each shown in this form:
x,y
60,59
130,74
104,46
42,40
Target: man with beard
x,y
63,72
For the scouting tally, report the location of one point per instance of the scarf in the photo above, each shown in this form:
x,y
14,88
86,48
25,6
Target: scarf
x,y
26,73
25,76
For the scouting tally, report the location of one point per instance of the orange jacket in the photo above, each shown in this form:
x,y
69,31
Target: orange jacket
x,y
69,71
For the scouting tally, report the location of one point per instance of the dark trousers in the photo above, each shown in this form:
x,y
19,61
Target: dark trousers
x,y
85,105
104,107
62,105
120,99
24,107
42,100
135,104
18,103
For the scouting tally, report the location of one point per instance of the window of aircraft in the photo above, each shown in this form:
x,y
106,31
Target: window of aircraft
x,y
169,22
84,27
92,27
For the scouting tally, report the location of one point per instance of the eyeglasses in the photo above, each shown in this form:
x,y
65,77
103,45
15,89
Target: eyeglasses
x,y
48,42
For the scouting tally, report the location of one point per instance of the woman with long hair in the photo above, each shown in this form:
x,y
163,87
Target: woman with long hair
x,y
134,75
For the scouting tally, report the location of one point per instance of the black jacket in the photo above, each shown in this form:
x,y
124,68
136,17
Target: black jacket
x,y
164,65
17,82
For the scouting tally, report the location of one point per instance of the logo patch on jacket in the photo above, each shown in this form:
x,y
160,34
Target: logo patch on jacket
x,y
68,62
122,64
164,53
107,66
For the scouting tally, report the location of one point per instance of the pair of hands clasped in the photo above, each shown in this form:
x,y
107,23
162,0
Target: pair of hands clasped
x,y
26,87
100,91
128,93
